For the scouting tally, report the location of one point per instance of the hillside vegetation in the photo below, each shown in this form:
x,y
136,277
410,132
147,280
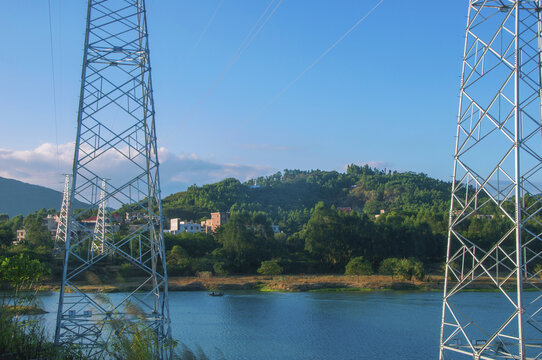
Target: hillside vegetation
x,y
326,219
362,221
288,197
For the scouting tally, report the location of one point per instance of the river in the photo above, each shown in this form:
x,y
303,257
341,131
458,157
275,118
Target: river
x,y
307,325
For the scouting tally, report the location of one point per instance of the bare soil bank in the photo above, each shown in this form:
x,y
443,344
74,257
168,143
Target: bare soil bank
x,y
287,283
297,283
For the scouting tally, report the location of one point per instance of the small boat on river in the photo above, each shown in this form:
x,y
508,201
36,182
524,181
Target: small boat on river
x,y
216,293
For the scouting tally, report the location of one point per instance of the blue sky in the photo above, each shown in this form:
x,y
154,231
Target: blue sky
x,y
387,95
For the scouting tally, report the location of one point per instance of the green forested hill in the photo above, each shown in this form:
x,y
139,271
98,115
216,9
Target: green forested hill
x,y
316,234
396,218
286,196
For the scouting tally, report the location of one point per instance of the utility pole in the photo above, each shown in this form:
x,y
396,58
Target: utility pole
x,y
495,223
115,125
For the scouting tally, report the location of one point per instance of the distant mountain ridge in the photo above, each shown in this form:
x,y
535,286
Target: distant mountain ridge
x,y
19,198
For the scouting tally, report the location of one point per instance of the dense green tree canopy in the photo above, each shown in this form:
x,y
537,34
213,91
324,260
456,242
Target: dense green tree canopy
x,y
287,197
335,237
246,241
326,219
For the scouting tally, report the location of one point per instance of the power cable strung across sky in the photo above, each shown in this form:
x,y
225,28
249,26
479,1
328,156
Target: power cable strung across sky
x,y
204,31
254,31
313,64
53,80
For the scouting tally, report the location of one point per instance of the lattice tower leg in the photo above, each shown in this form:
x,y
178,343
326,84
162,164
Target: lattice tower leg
x,y
495,231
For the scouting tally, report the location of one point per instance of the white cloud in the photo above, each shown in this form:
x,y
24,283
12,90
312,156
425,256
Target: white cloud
x,y
185,170
45,165
378,164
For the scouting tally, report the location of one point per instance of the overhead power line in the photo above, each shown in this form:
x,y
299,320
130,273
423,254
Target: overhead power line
x,y
313,64
53,84
204,31
254,31
244,46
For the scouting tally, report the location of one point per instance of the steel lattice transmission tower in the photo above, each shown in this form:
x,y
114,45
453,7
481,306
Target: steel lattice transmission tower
x,y
60,236
102,229
495,228
115,128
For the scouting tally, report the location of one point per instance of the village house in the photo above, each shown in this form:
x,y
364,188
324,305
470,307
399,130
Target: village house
x,y
217,218
177,226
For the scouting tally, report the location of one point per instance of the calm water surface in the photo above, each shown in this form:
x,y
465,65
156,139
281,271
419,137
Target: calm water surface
x,y
256,325
319,326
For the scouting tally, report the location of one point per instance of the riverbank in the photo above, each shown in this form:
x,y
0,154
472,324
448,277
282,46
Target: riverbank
x,y
286,283
296,283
